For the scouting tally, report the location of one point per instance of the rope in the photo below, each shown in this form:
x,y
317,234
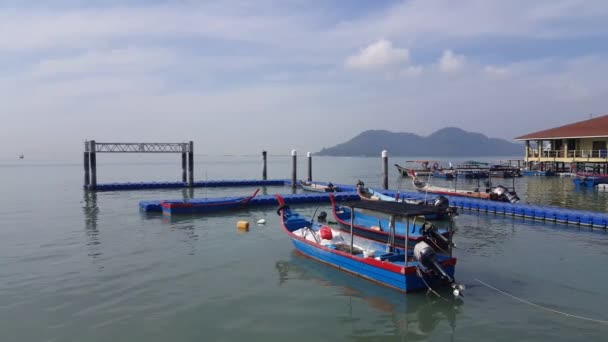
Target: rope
x,y
543,307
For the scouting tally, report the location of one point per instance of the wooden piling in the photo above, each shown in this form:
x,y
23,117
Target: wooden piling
x,y
93,162
294,166
191,164
309,156
384,169
264,164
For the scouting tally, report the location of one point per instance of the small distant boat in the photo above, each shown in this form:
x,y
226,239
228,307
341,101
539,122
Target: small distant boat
x,y
21,156
473,169
206,206
499,193
504,171
589,179
424,170
415,230
388,265
315,187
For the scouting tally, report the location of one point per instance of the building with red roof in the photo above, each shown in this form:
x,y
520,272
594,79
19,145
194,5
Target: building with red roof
x,y
580,142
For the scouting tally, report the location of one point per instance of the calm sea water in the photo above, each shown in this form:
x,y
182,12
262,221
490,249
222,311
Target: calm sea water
x,y
78,266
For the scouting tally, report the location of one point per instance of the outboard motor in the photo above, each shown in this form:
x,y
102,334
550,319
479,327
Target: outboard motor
x,y
500,192
441,202
430,230
512,197
426,256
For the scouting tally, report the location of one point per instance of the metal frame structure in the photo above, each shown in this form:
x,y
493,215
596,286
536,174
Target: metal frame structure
x,y
91,148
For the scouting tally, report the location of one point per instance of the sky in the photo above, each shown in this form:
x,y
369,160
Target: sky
x,y
237,77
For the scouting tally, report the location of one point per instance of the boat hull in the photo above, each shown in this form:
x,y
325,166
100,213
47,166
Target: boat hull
x,y
407,282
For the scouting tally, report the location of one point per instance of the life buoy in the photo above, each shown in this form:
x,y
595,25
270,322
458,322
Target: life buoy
x,y
435,166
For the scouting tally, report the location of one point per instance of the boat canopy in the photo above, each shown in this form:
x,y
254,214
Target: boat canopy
x,y
395,208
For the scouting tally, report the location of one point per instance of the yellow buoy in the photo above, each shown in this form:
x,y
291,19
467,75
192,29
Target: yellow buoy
x,y
242,226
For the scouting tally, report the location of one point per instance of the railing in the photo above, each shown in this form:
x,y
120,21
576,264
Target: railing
x,y
569,154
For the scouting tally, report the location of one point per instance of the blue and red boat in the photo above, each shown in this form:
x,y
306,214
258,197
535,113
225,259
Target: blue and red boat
x,y
388,265
206,205
415,228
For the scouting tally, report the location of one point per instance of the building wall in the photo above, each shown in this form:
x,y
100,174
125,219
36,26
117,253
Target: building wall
x,y
587,144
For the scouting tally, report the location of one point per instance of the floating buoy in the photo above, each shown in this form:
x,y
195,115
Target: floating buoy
x,y
242,226
261,221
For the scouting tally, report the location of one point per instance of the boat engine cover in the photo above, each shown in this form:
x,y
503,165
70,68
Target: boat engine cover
x,y
423,252
441,202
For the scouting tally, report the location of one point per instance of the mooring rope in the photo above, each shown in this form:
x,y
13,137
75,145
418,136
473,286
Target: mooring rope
x,y
543,307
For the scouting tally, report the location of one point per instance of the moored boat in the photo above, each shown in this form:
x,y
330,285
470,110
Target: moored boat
x,y
440,202
387,265
316,187
498,193
205,206
424,170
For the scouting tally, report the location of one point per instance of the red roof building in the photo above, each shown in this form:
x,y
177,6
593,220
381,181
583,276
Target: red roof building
x,y
580,142
592,128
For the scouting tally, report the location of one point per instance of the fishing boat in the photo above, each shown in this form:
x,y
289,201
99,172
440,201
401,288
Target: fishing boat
x,y
589,179
498,193
473,169
504,171
367,194
206,205
21,156
423,170
417,229
386,264
316,187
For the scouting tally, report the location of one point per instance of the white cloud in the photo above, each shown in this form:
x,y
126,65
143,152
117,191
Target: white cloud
x,y
451,62
412,70
496,71
377,55
127,60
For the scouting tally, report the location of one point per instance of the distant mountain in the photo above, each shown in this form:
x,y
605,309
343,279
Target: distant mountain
x,y
450,141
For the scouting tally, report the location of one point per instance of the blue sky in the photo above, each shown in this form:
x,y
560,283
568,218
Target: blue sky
x,y
242,76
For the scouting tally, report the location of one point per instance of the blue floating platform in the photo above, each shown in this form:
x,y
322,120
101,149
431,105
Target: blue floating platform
x,y
207,204
201,184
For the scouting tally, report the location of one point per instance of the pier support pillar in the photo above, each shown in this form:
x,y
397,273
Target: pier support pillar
x,y
384,169
87,165
309,156
93,162
184,170
294,168
191,164
264,165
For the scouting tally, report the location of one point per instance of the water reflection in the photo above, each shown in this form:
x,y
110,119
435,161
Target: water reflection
x,y
413,316
91,212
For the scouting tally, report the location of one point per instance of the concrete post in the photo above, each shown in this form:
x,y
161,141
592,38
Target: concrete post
x,y
309,156
264,165
294,167
384,169
93,161
87,165
191,165
184,169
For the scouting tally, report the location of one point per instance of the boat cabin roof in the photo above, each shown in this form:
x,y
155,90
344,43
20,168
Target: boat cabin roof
x,y
401,209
